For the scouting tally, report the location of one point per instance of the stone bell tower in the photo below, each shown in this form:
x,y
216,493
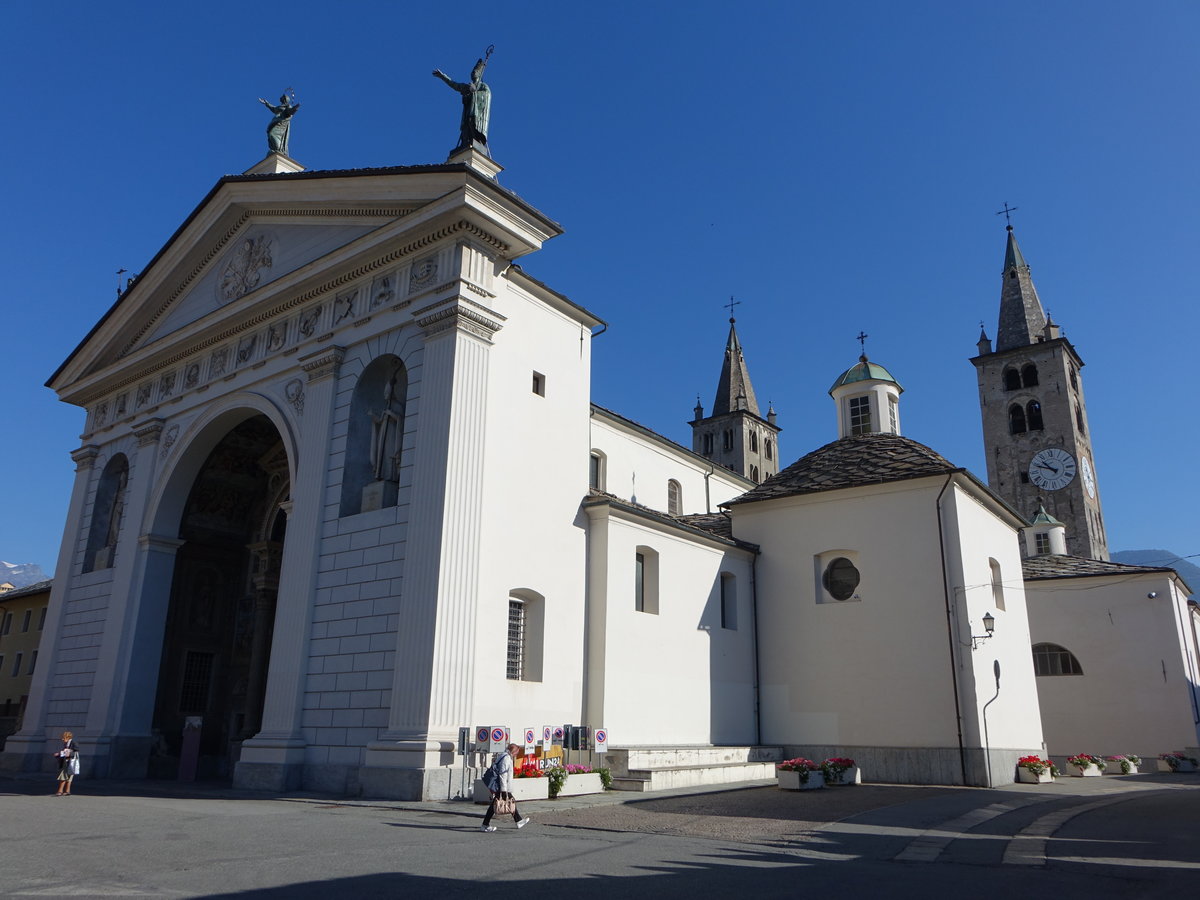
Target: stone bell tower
x,y
736,435
1035,426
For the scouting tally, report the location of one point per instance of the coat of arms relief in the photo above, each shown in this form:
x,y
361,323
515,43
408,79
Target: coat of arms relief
x,y
244,270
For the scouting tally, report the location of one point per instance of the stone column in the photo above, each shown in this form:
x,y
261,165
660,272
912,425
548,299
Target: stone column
x,y
265,583
274,758
27,750
119,665
432,690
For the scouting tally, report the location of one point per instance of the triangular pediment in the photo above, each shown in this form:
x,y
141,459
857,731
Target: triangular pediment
x,y
258,245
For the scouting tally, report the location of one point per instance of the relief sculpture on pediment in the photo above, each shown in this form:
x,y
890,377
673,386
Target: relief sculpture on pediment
x,y
275,337
220,360
343,305
308,321
246,349
243,271
191,376
166,385
382,291
424,273
143,395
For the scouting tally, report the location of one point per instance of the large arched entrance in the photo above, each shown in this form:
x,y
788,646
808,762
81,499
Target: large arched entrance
x,y
217,641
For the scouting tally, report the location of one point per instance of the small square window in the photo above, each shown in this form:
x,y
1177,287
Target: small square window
x,y
539,384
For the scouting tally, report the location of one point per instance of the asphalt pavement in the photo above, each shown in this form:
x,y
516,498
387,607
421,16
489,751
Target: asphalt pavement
x,y
1115,836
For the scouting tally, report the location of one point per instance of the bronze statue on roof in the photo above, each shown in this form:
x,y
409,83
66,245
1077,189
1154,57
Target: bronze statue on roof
x,y
476,105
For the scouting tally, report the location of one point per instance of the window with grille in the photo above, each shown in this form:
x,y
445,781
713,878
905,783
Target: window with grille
x,y
860,415
674,498
1043,543
197,679
516,639
1051,659
892,415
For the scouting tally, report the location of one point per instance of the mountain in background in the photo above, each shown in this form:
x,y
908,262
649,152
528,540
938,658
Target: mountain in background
x,y
1187,570
21,574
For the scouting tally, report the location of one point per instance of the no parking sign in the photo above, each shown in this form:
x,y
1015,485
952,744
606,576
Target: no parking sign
x,y
497,738
547,737
600,737
482,737
530,740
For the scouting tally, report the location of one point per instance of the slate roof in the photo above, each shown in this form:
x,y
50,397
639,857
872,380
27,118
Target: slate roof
x,y
1040,568
37,588
711,525
852,462
734,383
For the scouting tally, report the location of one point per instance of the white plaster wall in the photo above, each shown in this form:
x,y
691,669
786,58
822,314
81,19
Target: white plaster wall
x,y
1137,691
638,469
869,672
976,536
534,537
677,677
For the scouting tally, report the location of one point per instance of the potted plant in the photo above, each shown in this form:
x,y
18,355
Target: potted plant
x,y
1129,763
840,770
576,779
1088,766
1177,761
1035,770
799,774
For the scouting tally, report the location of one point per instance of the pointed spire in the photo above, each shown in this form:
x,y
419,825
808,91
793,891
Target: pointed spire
x,y
1022,318
734,391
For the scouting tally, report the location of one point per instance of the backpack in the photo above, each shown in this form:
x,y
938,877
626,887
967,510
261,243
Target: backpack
x,y
491,777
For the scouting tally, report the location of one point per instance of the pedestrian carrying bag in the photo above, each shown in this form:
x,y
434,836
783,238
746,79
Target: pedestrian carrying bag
x,y
73,765
491,780
506,806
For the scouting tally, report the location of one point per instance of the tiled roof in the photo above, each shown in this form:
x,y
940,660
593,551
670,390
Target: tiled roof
x,y
714,525
1038,568
38,588
852,462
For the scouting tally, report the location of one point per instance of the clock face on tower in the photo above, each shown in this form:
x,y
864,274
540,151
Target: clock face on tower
x,y
1052,469
1089,478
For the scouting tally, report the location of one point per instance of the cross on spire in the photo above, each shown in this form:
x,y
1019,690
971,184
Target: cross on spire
x,y
1005,212
731,304
862,340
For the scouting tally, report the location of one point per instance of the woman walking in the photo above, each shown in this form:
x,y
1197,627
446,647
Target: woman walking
x,y
499,781
68,764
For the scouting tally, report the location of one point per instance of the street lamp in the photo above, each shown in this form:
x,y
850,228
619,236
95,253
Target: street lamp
x,y
989,625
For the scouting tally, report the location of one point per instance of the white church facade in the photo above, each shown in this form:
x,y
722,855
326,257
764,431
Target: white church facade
x,y
308,523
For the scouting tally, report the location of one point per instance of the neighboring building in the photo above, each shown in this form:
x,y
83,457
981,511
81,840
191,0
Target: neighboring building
x,y
22,621
1035,425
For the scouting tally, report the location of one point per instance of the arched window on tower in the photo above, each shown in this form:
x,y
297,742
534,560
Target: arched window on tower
x,y
754,474
674,498
1074,380
1029,376
1079,418
1033,414
768,450
753,442
727,439
1012,379
1016,419
1051,659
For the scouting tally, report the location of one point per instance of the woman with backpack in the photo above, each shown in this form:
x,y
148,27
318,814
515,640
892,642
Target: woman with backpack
x,y
498,779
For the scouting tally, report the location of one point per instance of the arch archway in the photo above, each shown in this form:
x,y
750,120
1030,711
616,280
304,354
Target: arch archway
x,y
225,504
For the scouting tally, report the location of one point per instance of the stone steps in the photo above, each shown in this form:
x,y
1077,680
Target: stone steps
x,y
645,769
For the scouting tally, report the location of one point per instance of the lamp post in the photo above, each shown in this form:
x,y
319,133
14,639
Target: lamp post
x,y
989,625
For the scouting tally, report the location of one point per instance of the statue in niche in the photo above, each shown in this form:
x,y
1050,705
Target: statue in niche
x,y
476,103
385,432
280,127
116,511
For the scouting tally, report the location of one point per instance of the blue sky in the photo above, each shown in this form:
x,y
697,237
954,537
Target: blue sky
x,y
834,166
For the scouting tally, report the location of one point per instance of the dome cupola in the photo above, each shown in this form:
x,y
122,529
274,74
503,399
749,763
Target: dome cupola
x,y
868,400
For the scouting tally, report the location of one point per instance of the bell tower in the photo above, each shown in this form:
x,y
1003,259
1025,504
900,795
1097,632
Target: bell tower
x,y
1035,427
736,435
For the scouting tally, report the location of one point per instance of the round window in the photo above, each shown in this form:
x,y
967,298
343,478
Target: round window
x,y
841,578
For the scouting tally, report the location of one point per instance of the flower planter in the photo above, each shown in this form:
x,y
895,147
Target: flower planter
x,y
1115,769
580,783
1091,770
790,781
1182,766
853,775
523,789
1024,776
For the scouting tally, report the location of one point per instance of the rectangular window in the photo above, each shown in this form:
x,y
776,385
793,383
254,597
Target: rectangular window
x,y
16,669
1,662
26,620
596,473
7,624
33,662
516,639
708,445
197,677
539,384
895,422
639,582
42,618
728,602
727,439
1043,543
860,415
